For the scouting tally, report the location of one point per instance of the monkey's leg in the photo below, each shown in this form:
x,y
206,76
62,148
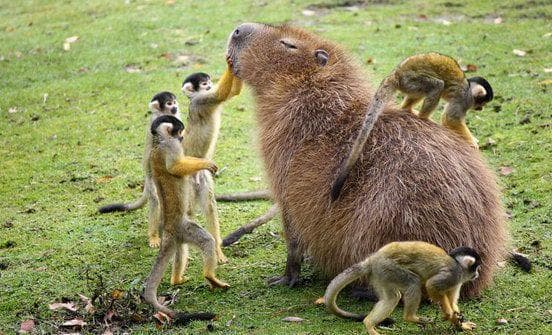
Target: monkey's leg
x,y
180,264
165,253
416,84
434,90
192,233
389,298
453,296
209,207
294,255
409,102
153,214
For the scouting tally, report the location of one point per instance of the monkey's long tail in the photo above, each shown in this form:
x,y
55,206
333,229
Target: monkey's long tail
x,y
339,282
118,207
382,96
182,318
245,196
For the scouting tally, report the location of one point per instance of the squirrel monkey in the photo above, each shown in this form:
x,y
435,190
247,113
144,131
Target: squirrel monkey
x,y
170,169
200,137
163,103
404,268
429,77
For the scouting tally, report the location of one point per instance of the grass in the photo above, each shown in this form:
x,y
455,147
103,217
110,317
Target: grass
x,y
72,131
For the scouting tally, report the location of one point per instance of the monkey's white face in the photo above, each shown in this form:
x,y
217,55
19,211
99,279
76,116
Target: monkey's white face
x,y
204,86
171,107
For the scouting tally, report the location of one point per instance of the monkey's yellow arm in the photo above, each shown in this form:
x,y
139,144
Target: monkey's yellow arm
x,y
188,165
226,86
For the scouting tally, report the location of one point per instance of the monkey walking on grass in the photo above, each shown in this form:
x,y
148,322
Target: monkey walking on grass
x,y
403,269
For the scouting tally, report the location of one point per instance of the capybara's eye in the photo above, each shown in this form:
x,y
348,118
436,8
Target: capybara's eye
x,y
288,45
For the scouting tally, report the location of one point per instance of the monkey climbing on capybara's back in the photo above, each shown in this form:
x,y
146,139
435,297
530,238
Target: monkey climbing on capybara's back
x,y
415,180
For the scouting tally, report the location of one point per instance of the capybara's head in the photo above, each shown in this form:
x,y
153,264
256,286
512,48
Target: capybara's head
x,y
258,51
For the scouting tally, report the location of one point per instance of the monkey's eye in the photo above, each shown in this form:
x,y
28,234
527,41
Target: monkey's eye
x,y
288,44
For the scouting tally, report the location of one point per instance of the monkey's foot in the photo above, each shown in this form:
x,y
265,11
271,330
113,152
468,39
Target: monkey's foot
x,y
467,325
320,301
154,241
177,280
289,280
418,319
221,258
371,329
215,283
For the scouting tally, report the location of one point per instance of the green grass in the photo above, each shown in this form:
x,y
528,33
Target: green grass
x,y
81,146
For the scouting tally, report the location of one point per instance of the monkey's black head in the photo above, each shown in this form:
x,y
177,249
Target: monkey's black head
x,y
481,90
468,259
165,101
177,125
196,82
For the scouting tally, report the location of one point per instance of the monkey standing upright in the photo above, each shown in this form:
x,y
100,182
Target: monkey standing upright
x,y
169,171
163,103
430,77
200,138
404,268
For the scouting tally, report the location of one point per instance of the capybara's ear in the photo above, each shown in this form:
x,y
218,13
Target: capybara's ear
x,y
322,56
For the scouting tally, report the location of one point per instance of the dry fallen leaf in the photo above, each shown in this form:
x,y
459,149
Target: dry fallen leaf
x,y
74,323
162,317
71,39
546,82
519,53
501,321
68,41
117,294
65,305
27,326
89,308
469,68
104,179
131,68
292,319
506,170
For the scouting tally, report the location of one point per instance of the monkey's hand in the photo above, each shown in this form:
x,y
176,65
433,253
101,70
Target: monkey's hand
x,y
188,165
211,167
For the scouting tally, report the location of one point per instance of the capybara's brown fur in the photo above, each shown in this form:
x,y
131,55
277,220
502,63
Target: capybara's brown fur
x,y
414,181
